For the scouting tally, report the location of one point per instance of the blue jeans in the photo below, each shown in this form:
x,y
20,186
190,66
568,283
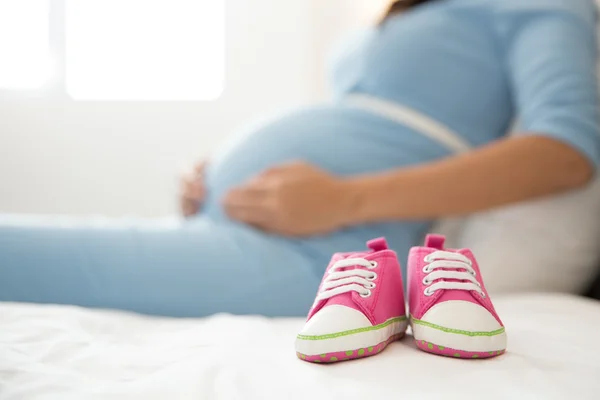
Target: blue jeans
x,y
209,264
174,268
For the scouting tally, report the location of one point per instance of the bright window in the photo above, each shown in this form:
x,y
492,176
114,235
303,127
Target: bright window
x,y
145,49
25,61
115,49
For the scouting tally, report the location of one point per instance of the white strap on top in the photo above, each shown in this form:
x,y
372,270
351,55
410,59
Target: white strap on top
x,y
443,265
411,118
359,280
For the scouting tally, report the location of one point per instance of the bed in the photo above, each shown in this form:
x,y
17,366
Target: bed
x,y
59,352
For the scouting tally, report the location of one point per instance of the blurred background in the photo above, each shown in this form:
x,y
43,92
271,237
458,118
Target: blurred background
x,y
94,127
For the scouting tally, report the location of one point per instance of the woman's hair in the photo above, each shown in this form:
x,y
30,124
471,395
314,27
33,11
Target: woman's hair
x,y
399,6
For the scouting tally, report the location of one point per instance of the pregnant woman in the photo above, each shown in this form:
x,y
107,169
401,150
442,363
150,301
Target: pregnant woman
x,y
416,132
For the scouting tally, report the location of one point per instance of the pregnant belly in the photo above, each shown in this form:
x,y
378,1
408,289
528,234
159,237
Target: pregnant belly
x,y
338,139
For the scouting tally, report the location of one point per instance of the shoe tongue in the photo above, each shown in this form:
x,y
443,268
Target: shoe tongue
x,y
345,299
355,255
378,244
375,245
345,256
455,294
435,241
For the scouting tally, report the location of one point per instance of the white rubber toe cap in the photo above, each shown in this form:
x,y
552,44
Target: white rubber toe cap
x,y
461,325
334,319
462,315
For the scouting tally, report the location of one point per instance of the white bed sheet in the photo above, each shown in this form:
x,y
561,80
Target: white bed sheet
x,y
54,352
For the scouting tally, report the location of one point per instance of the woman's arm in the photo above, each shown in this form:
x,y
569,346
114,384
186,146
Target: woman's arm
x,y
551,57
299,199
505,172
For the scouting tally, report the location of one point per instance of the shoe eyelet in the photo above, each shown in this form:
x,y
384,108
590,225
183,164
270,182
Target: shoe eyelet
x,y
372,277
373,265
426,281
482,294
366,294
426,269
371,285
428,292
427,259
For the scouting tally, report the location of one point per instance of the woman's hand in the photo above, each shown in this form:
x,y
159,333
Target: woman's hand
x,y
192,192
294,199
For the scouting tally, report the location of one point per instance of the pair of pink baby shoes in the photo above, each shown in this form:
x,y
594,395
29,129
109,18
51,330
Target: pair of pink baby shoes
x,y
360,306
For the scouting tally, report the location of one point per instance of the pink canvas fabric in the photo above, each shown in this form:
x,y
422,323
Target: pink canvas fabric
x,y
387,300
384,304
420,303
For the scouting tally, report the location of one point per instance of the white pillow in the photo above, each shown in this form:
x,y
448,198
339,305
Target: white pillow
x,y
551,244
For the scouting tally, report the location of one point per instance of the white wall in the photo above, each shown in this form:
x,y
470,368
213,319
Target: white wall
x,y
59,156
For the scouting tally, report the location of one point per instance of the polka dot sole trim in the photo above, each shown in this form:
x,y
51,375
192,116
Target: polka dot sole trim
x,y
330,358
448,352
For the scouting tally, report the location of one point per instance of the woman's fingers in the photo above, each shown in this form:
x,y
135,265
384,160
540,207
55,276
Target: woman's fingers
x,y
243,198
249,204
255,216
248,215
192,194
199,168
188,207
192,188
192,191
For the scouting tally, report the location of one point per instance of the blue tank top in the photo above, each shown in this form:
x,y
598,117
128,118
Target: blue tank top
x,y
477,65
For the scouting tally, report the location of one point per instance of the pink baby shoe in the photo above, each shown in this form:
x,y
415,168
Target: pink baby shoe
x,y
451,313
359,308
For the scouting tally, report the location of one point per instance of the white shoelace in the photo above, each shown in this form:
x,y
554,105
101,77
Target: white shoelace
x,y
358,280
436,278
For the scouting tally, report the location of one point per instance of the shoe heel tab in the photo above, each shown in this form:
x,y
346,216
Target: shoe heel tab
x,y
378,244
435,241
